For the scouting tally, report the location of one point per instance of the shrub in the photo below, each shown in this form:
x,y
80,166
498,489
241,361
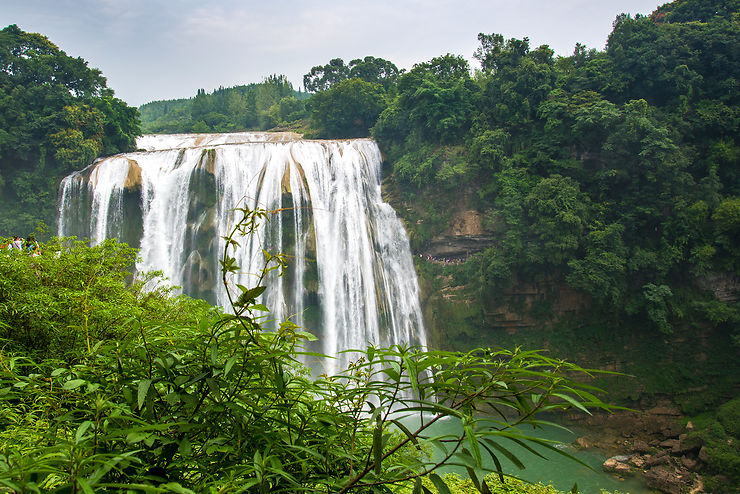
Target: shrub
x,y
211,402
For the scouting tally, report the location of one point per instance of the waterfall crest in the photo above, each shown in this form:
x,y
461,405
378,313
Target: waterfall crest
x,y
350,278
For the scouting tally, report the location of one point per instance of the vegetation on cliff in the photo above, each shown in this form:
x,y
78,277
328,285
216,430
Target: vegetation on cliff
x,y
613,171
56,116
610,174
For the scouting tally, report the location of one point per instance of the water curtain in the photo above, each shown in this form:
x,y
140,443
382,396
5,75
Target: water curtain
x,y
350,279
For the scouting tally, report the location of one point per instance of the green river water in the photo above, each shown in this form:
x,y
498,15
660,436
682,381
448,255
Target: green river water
x,y
557,470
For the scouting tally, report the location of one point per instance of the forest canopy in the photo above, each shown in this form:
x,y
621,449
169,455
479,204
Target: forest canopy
x,y
56,116
613,171
259,106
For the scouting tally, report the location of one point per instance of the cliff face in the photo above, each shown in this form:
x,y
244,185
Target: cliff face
x,y
694,365
464,236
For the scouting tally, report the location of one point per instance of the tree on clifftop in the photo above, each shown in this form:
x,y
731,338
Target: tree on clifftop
x,y
56,115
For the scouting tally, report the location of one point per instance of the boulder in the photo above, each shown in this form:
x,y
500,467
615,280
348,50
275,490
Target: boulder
x,y
703,455
133,177
623,469
613,465
689,463
664,480
660,459
672,429
640,446
669,444
583,443
638,461
610,465
687,443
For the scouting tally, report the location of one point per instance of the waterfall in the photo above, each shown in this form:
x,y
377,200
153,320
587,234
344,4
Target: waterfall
x,y
350,278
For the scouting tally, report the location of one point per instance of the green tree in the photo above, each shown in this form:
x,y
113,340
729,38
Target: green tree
x,y
322,77
602,271
347,109
368,69
558,214
436,97
56,115
201,105
726,219
517,79
372,69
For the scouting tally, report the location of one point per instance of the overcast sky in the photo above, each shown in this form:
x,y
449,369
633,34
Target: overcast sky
x,y
164,49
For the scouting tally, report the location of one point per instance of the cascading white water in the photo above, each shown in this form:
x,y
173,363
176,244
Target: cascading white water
x,y
351,279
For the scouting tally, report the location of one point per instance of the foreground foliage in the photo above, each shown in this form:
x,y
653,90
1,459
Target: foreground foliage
x,y
458,485
213,403
71,296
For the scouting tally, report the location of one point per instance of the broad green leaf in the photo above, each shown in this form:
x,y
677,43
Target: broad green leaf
x,y
73,384
213,387
249,295
572,401
378,446
417,486
439,484
229,364
85,486
184,448
473,443
143,391
135,437
81,430
306,335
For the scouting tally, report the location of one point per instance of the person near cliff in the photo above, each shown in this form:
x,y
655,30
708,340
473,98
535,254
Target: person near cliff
x,y
32,246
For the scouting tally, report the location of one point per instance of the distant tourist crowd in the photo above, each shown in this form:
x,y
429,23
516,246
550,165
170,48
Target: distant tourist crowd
x,y
443,260
29,245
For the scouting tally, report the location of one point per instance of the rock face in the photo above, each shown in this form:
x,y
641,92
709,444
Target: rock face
x,y
652,444
464,237
617,466
666,480
133,178
726,287
516,305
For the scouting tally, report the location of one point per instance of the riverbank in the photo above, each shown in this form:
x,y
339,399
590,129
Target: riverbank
x,y
671,453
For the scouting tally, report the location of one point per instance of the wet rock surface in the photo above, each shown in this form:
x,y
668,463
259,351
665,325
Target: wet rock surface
x,y
666,480
652,444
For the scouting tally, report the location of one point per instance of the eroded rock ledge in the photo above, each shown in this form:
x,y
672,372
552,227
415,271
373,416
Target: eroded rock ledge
x,y
653,444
